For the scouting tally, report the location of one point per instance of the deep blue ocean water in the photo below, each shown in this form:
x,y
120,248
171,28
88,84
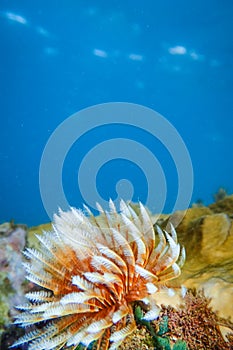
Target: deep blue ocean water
x,y
58,57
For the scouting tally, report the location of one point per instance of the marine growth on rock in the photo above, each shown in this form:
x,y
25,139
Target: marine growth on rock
x,y
90,271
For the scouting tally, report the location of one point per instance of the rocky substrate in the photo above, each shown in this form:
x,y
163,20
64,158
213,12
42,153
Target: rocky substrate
x,y
206,233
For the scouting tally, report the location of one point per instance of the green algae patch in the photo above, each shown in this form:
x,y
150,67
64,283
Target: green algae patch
x,y
32,241
5,292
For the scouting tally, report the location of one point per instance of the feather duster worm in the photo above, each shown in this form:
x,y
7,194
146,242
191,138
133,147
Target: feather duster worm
x,y
91,270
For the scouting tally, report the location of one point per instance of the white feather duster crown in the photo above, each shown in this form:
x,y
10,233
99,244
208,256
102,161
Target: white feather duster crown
x,y
91,270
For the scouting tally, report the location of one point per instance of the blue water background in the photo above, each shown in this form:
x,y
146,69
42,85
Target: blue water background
x,y
58,57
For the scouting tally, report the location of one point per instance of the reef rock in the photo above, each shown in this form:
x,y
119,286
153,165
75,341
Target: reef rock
x,y
207,234
12,276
